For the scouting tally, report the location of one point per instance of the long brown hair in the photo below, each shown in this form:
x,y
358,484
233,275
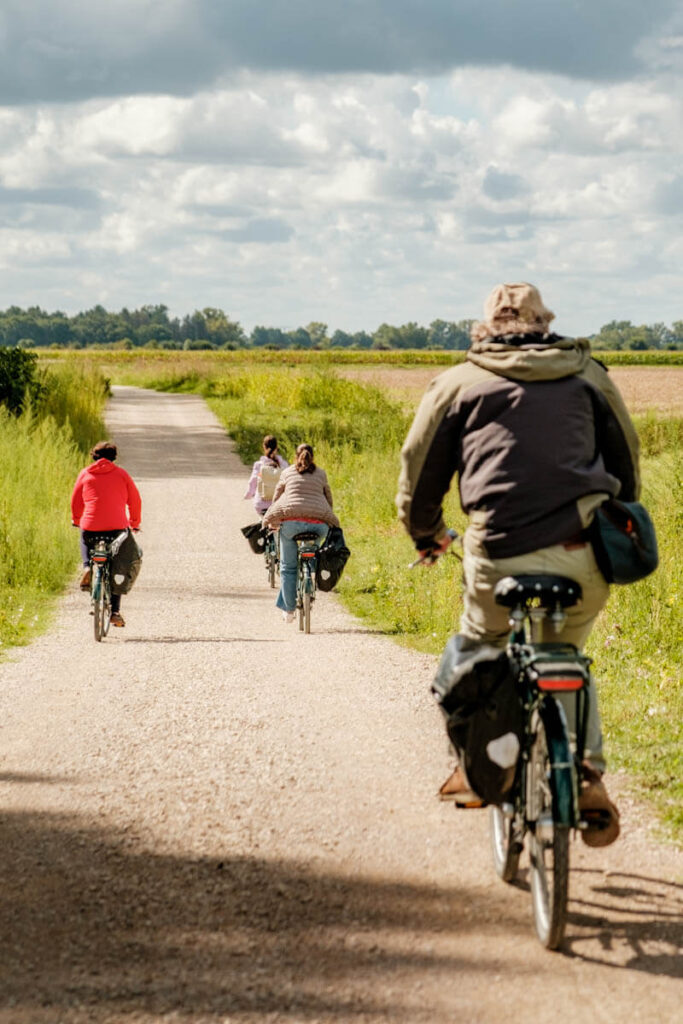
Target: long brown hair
x,y
270,448
304,459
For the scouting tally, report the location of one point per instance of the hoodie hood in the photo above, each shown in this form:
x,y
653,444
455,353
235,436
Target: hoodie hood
x,y
545,358
101,467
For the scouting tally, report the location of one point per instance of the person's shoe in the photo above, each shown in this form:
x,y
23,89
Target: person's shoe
x,y
288,616
117,619
597,810
456,788
85,579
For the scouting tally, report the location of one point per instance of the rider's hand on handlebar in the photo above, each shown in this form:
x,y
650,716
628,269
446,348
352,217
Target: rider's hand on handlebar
x,y
432,554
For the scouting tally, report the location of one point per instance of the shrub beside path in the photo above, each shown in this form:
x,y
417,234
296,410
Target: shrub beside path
x,y
211,817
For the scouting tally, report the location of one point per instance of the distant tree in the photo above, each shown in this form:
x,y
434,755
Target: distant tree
x,y
152,334
340,339
299,338
614,335
361,339
410,335
385,337
271,336
317,332
677,334
221,330
449,335
98,327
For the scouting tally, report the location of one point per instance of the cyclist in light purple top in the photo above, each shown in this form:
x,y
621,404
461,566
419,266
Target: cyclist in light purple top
x,y
261,486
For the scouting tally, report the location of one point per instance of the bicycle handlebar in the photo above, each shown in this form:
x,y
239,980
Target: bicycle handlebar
x,y
432,555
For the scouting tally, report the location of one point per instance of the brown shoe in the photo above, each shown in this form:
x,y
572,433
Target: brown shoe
x,y
117,619
85,579
597,810
456,788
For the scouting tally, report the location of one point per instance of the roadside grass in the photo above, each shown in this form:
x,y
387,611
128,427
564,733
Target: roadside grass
x,y
41,452
637,645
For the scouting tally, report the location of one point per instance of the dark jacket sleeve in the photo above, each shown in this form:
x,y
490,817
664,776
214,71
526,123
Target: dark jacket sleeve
x,y
429,459
616,437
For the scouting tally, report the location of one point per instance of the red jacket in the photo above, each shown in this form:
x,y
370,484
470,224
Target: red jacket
x,y
100,496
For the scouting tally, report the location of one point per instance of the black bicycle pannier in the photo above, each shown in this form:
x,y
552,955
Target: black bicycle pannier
x,y
333,555
126,561
256,535
477,691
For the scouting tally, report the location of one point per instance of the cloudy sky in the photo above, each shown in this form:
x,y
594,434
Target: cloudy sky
x,y
351,161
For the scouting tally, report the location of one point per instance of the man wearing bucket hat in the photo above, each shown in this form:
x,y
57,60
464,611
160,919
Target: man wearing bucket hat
x,y
539,437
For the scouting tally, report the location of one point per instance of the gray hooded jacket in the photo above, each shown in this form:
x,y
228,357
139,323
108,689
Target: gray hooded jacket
x,y
538,435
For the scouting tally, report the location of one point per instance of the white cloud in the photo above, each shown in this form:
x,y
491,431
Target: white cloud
x,y
285,198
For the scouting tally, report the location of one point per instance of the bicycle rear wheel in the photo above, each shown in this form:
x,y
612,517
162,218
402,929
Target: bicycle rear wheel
x,y
98,604
271,571
106,619
506,847
306,613
548,839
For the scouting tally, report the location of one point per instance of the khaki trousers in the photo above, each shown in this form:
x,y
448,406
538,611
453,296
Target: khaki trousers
x,y
484,621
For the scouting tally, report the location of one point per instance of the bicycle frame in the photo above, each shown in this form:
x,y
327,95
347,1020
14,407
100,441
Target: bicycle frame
x,y
543,671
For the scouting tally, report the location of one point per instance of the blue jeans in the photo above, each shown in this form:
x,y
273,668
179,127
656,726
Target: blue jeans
x,y
286,599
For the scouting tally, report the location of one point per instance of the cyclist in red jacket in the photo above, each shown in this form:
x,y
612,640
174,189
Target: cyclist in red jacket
x,y
104,501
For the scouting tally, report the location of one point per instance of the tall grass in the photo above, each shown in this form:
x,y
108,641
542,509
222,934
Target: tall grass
x,y
638,649
40,455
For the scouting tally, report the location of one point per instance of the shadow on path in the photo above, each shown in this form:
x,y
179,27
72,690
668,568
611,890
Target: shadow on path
x,y
96,930
636,921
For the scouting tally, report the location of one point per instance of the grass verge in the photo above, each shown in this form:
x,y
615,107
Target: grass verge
x,y
41,452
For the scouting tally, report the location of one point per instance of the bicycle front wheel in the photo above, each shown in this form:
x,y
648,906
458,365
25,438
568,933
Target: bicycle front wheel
x,y
548,839
271,572
505,844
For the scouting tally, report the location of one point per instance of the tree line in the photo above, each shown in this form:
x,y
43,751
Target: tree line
x,y
211,328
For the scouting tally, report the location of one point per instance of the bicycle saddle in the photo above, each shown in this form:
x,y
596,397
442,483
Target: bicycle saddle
x,y
306,535
549,590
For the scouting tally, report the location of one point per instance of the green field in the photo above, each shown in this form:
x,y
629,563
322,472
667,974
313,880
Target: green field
x,y
111,361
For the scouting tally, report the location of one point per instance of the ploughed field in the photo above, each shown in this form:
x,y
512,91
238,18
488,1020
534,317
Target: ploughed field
x,y
644,388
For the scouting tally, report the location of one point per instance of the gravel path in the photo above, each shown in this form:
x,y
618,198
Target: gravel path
x,y
211,817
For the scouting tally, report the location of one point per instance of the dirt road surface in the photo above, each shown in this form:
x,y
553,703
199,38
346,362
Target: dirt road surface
x,y
210,817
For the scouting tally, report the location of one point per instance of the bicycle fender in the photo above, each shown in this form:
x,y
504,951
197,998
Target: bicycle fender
x,y
561,762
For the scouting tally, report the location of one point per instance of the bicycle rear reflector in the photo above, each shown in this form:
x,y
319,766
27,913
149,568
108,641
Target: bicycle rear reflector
x,y
555,675
548,683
